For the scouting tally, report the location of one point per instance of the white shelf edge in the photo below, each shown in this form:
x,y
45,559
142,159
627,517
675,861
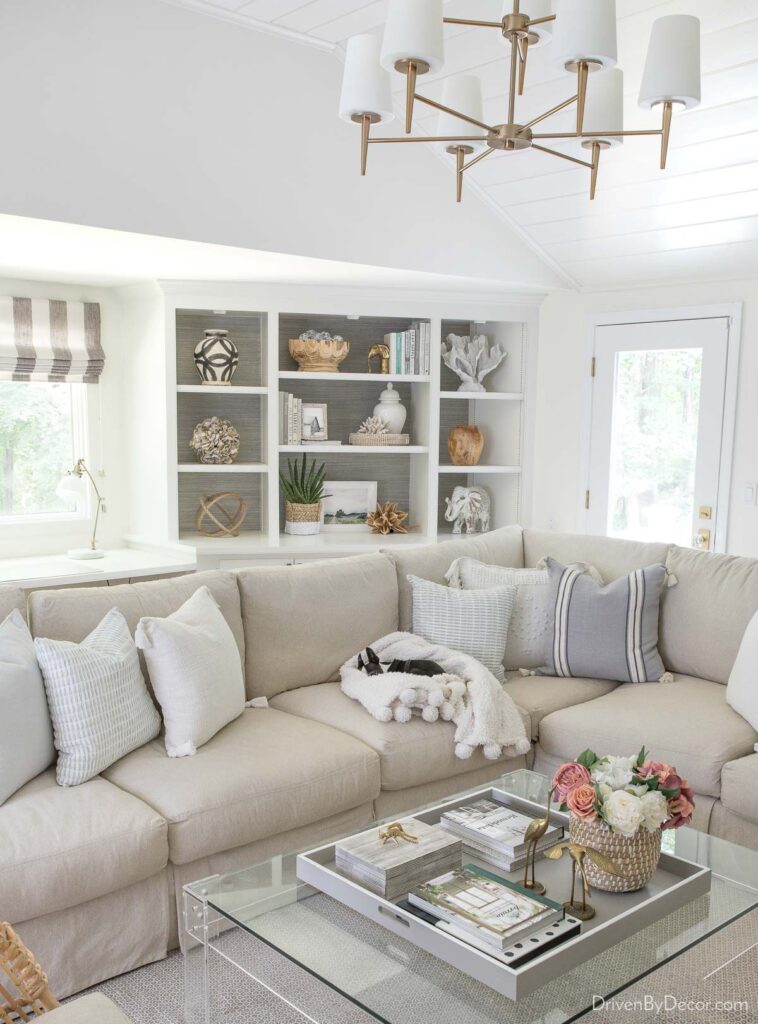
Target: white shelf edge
x,y
471,470
338,449
235,467
233,389
368,377
492,396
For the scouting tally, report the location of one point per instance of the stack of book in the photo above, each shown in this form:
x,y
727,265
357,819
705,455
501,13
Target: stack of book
x,y
410,351
495,834
290,418
483,909
392,868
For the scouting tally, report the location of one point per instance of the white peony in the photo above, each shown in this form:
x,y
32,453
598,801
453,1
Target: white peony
x,y
615,772
654,810
623,812
636,790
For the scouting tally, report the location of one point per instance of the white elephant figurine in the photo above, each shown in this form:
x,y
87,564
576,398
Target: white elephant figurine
x,y
469,505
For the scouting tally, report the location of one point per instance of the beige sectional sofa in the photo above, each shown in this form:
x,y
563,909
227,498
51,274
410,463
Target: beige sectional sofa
x,y
91,876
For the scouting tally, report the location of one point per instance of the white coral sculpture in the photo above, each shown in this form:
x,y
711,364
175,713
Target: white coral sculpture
x,y
471,359
373,425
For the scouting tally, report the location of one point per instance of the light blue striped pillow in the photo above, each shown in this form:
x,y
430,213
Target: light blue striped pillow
x,y
473,621
604,632
98,700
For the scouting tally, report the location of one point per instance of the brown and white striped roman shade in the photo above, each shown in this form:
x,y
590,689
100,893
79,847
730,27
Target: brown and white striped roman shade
x,y
51,340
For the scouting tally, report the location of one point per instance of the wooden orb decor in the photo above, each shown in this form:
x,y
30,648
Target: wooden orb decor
x,y
227,523
465,444
387,519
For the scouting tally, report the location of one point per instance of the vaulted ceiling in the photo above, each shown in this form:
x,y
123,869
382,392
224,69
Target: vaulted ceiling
x,y
699,219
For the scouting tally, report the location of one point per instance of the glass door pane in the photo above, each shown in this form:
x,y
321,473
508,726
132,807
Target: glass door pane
x,y
654,442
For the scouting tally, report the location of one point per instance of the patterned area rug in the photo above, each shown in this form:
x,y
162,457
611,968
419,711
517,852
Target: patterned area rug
x,y
715,982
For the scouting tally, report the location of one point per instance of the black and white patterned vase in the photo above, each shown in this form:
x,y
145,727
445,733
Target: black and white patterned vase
x,y
216,358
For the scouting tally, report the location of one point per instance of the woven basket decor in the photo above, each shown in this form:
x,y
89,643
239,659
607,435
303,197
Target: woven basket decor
x,y
379,439
302,513
637,858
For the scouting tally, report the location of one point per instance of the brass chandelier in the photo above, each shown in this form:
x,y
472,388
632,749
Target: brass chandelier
x,y
582,34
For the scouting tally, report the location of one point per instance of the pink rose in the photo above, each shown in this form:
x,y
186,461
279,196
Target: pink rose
x,y
581,802
569,777
651,768
680,810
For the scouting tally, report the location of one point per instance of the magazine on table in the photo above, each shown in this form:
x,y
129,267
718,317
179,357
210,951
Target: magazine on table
x,y
494,826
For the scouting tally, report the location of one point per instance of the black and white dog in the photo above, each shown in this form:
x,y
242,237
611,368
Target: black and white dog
x,y
415,667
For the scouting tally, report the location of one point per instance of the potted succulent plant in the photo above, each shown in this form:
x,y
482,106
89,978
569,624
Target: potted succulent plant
x,y
303,489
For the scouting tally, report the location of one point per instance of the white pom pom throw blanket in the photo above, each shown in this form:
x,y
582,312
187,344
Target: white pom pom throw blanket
x,y
467,694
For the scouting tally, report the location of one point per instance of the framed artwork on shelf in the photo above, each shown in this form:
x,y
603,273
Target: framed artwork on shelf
x,y
346,505
315,427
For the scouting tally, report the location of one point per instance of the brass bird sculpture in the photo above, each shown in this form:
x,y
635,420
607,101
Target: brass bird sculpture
x,y
584,911
394,832
533,834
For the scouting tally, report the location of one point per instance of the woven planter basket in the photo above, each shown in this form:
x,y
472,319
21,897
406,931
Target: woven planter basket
x,y
371,440
302,520
637,858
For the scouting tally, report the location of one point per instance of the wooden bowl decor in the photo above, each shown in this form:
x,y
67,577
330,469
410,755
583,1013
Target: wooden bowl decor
x,y
215,442
465,444
319,352
227,523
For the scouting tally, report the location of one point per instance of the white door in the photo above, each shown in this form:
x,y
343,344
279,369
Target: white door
x,y
657,432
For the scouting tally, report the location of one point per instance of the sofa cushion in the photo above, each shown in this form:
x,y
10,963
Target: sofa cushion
x,y
61,846
92,1009
302,622
411,753
12,598
611,557
704,618
739,787
541,695
687,724
432,561
264,773
70,614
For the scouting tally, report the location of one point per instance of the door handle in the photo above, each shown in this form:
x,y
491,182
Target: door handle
x,y
703,540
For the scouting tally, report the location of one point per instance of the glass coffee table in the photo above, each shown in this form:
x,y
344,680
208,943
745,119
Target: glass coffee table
x,y
261,945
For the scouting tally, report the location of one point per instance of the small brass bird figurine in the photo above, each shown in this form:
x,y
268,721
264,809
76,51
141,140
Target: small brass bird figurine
x,y
584,911
533,834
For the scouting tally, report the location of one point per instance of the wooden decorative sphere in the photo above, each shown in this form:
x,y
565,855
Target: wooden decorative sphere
x,y
227,523
465,444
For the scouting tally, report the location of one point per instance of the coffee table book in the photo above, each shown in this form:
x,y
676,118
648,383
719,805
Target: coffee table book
x,y
391,868
676,882
490,826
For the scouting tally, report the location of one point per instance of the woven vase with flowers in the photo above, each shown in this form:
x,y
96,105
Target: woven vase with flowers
x,y
620,806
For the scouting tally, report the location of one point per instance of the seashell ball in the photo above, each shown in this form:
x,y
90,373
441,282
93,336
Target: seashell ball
x,y
215,441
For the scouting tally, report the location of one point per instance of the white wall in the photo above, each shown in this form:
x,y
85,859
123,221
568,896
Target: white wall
x,y
137,115
562,370
109,435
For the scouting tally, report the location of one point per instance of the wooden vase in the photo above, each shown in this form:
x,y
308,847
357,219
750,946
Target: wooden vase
x,y
465,444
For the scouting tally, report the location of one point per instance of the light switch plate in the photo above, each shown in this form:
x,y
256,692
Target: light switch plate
x,y
750,492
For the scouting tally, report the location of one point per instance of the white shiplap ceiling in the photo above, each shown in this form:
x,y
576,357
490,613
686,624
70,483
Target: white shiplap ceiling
x,y
697,220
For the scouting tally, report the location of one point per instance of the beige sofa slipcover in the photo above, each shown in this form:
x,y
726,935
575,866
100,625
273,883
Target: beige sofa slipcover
x,y
98,890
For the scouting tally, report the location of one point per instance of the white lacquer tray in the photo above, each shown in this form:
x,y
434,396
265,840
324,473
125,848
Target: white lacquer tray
x,y
676,882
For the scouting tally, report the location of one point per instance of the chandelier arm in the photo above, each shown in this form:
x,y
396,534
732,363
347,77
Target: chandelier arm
x,y
595,167
542,21
512,82
430,138
549,113
582,74
455,113
666,133
523,45
477,159
410,95
563,156
365,131
476,24
460,158
612,133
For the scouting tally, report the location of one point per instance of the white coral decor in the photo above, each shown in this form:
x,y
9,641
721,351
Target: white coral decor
x,y
623,812
471,359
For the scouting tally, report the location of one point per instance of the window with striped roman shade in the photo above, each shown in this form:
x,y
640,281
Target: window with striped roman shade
x,y
50,340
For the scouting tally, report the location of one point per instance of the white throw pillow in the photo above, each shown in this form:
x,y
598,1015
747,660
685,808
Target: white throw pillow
x,y
474,621
98,700
196,671
529,629
742,688
26,732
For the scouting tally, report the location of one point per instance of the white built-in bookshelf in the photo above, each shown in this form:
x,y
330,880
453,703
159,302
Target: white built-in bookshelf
x,y
418,476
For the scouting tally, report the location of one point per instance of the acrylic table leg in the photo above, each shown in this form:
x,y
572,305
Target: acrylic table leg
x,y
197,1009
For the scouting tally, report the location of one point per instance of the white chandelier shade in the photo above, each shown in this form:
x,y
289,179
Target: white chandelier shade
x,y
672,68
605,105
585,31
365,84
413,32
464,93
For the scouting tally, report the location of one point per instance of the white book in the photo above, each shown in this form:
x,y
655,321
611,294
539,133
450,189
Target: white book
x,y
501,828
